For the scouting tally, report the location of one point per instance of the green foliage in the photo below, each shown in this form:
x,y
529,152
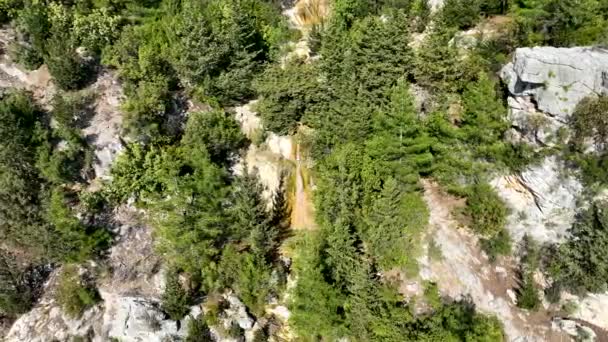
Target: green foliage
x,y
589,122
497,244
486,209
432,295
68,109
315,304
345,12
287,94
459,14
581,264
421,11
483,120
8,9
399,142
392,225
218,131
74,293
198,331
79,241
438,64
593,167
561,23
15,297
219,48
527,293
21,222
97,29
33,24
362,309
69,70
175,300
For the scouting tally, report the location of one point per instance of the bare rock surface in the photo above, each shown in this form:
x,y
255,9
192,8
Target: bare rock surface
x,y
270,158
546,84
463,272
104,128
542,201
557,78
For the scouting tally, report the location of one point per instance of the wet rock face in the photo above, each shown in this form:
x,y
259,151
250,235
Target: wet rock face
x,y
546,84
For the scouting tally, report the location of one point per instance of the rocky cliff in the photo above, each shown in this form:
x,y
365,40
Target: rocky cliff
x,y
546,84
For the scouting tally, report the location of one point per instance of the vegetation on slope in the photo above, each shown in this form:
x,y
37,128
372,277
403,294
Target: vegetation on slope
x,y
370,142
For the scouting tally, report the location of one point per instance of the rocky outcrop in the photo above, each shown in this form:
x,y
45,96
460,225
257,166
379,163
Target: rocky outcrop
x,y
103,129
542,201
129,308
546,84
269,158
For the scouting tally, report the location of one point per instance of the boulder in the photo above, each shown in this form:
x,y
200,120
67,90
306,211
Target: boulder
x,y
546,84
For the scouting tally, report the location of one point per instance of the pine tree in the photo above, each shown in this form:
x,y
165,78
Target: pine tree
x,y
399,141
484,114
250,219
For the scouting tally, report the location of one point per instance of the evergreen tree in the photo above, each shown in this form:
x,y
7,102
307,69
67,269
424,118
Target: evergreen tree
x,y
438,63
250,219
391,222
175,300
399,141
216,130
484,114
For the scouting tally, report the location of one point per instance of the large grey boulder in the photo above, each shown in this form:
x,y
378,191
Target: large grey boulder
x,y
557,78
546,84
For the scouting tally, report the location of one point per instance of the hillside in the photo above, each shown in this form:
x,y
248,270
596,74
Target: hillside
x,y
311,170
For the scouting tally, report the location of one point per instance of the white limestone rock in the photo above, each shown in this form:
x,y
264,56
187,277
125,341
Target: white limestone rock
x,y
542,201
546,84
557,78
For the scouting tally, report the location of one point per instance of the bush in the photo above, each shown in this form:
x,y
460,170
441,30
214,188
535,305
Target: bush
x,y
581,264
460,14
74,293
79,241
15,297
198,331
175,300
527,294
96,29
287,94
218,131
69,70
69,110
589,121
486,210
497,245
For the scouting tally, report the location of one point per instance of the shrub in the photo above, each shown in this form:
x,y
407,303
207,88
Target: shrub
x,y
74,293
487,211
218,131
175,300
96,29
460,14
69,70
589,121
198,331
581,264
499,244
527,294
